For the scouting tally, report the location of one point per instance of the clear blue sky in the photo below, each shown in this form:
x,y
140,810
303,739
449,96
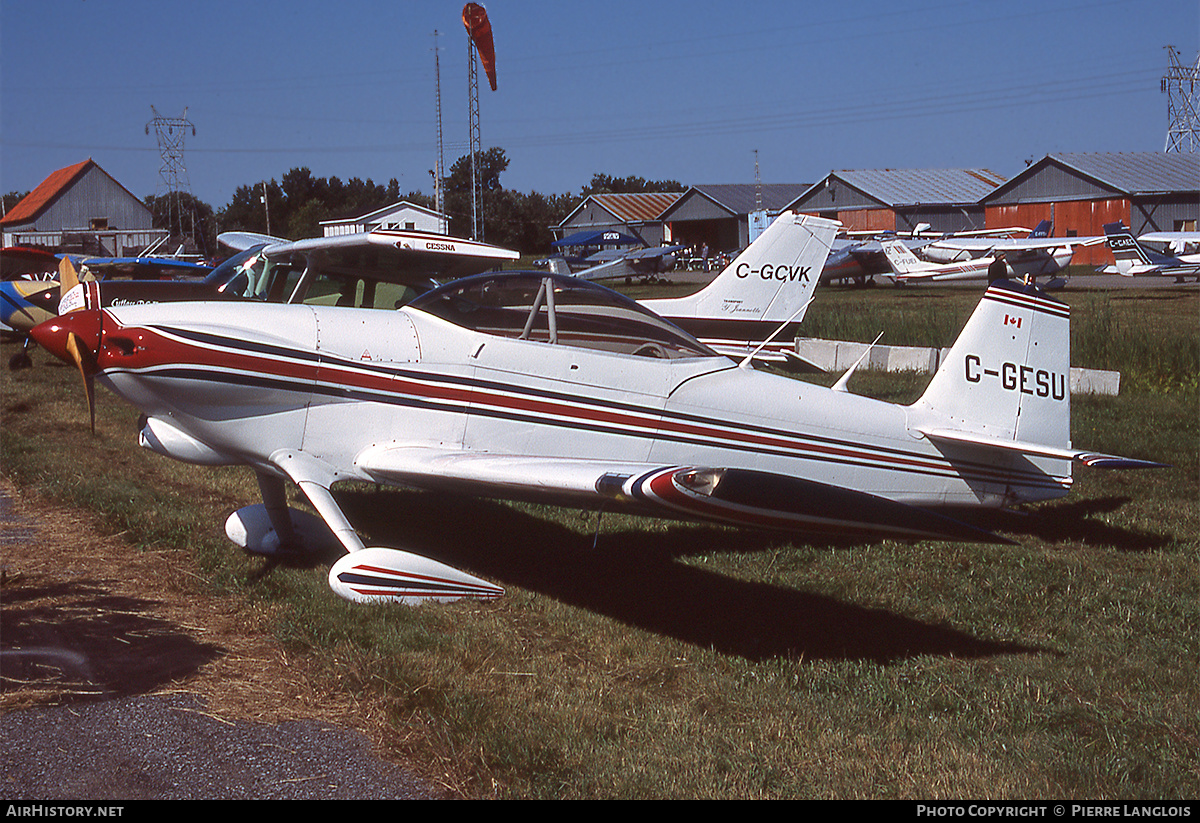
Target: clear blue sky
x,y
665,90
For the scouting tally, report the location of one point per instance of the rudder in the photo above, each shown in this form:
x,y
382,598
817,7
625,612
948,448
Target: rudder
x,y
1007,377
773,280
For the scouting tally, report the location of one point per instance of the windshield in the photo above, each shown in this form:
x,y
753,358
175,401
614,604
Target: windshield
x,y
240,274
558,310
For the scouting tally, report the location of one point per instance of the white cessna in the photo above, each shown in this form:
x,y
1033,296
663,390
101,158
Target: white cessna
x,y
1037,255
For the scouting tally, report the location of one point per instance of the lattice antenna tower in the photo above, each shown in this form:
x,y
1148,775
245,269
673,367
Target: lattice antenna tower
x,y
473,129
439,173
172,171
757,184
1181,84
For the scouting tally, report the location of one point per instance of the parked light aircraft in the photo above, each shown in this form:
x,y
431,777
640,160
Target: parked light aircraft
x,y
1133,260
615,264
1177,243
1037,255
536,386
908,268
859,256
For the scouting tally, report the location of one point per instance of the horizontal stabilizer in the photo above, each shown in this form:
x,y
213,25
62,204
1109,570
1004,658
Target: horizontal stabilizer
x,y
1093,459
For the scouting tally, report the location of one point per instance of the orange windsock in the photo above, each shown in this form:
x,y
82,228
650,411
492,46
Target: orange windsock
x,y
480,28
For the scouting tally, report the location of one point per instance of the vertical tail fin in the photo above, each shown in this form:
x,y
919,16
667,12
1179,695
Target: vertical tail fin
x,y
1126,250
901,258
772,280
1007,377
1042,229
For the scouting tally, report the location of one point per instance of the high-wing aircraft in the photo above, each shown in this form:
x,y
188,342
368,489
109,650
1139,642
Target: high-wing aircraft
x,y
616,264
537,386
1134,260
369,269
1176,243
1037,255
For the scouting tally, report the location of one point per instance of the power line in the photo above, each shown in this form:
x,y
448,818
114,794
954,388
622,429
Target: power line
x,y
173,180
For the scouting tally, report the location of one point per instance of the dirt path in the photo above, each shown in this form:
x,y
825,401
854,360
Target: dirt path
x,y
118,680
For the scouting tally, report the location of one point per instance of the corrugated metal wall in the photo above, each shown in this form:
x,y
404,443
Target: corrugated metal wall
x,y
95,195
1083,218
866,219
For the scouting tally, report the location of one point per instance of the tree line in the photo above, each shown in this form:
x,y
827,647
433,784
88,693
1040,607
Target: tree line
x,y
294,206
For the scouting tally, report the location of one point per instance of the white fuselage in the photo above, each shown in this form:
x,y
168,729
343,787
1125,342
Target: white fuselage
x,y
1022,257
337,383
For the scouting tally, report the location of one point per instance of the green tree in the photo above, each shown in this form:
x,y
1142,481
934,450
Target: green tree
x,y
11,199
604,184
491,164
182,209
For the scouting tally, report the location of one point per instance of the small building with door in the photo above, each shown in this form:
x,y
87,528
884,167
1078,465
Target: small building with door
x,y
401,216
634,214
81,208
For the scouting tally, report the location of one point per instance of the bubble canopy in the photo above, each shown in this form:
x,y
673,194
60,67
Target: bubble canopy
x,y
559,310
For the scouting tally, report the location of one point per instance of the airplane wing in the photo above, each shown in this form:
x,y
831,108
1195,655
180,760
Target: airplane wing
x,y
392,256
742,497
614,263
145,268
1027,245
655,251
243,240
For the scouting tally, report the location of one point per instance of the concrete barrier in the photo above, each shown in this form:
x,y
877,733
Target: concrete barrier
x,y
839,355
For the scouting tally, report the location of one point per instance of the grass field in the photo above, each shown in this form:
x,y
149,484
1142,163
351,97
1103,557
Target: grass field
x,y
641,659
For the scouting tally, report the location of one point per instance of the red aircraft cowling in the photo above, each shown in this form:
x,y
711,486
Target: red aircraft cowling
x,y
475,19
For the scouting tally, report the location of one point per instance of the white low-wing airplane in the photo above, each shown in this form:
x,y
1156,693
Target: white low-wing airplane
x,y
908,268
1037,255
536,386
1134,260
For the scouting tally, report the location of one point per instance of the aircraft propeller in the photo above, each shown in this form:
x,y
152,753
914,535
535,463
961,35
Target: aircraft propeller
x,y
66,338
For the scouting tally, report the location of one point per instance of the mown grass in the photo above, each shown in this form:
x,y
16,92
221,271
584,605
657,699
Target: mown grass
x,y
635,658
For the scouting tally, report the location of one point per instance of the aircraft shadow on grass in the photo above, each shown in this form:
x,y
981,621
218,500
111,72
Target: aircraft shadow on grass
x,y
633,576
1074,520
